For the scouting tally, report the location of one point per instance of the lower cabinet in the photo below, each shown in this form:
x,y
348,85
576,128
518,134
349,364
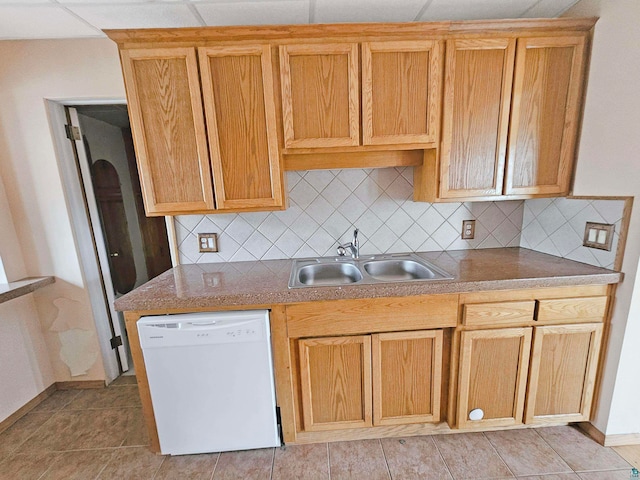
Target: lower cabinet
x,y
564,362
493,376
370,380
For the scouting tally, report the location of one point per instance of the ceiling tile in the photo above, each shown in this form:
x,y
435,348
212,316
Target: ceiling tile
x,y
549,8
35,21
332,11
157,15
475,9
254,13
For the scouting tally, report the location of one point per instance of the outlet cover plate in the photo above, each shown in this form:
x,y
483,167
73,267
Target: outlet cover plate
x,y
598,235
468,229
207,242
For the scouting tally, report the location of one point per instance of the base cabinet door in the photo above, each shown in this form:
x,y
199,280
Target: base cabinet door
x,y
407,377
335,374
564,361
493,376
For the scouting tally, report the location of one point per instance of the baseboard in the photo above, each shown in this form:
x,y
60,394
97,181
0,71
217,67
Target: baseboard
x,y
609,440
26,408
80,384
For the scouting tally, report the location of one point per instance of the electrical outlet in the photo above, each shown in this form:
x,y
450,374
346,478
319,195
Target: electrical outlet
x,y
207,242
468,229
598,235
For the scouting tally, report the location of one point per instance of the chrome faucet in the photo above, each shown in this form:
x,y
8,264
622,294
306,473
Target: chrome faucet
x,y
353,246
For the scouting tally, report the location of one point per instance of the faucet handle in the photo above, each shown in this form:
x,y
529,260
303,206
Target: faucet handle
x,y
342,252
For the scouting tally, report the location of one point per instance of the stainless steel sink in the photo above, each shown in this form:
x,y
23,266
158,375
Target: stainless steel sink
x,y
338,271
319,274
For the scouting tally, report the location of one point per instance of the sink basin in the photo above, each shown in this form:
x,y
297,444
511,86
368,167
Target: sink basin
x,y
328,274
399,270
338,271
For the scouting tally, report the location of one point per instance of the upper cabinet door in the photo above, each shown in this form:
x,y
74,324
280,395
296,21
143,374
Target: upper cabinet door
x,y
401,92
547,92
167,124
320,95
477,92
237,87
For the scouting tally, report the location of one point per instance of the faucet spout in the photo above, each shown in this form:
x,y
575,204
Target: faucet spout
x,y
353,246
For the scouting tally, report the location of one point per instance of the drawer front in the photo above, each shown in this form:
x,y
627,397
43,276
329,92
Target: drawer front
x,y
371,315
498,313
582,309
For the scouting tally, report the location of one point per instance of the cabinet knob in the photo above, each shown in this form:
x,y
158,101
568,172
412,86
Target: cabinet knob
x,y
476,414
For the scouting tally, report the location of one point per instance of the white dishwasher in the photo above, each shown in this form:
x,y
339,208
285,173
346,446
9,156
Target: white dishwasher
x,y
211,380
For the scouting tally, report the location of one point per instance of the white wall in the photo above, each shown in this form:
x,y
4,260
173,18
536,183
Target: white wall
x,y
32,71
608,164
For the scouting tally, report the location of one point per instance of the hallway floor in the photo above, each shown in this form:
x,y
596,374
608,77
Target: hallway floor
x,y
90,434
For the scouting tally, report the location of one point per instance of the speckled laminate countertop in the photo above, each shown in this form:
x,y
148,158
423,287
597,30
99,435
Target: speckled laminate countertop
x,y
264,283
11,290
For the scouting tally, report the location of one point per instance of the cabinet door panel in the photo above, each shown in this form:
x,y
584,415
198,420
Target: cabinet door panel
x,y
478,76
167,124
564,362
544,119
407,377
400,92
238,97
493,376
335,377
320,95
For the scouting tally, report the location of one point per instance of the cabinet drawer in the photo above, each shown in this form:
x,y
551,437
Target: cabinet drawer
x,y
585,308
371,315
498,313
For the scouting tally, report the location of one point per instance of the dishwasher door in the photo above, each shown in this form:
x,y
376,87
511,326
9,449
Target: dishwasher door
x,y
211,381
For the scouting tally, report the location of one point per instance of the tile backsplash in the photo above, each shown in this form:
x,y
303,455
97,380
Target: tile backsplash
x,y
326,205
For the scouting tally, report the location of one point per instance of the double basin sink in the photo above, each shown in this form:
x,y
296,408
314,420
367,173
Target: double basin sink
x,y
338,271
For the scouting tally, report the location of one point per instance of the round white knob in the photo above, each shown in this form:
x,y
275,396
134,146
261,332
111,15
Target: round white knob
x,y
476,414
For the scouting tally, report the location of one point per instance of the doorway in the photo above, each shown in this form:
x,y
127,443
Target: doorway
x,y
130,247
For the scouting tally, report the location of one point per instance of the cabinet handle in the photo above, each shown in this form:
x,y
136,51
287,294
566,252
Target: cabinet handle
x,y
536,309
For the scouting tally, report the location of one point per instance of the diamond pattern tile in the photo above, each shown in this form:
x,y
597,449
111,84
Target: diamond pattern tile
x,y
325,206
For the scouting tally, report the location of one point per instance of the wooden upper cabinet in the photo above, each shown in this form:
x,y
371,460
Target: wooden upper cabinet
x,y
477,94
335,375
564,363
165,110
493,376
401,92
320,95
407,377
237,88
547,92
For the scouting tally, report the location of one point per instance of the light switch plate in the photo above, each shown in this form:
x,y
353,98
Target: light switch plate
x,y
207,242
598,235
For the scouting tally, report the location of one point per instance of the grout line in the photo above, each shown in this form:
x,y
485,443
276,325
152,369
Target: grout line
x,y
551,447
329,460
50,466
444,462
105,466
273,462
164,457
384,455
498,453
215,466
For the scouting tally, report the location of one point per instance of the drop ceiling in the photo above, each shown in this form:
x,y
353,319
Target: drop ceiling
x,y
33,19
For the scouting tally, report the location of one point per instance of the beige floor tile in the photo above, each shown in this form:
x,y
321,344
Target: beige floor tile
x,y
135,463
362,459
79,465
13,437
135,428
122,396
301,462
609,475
248,465
581,452
188,467
414,457
81,429
124,380
58,400
631,453
471,456
526,453
26,466
553,476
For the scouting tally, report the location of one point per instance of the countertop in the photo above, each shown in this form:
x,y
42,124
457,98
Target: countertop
x,y
11,290
263,283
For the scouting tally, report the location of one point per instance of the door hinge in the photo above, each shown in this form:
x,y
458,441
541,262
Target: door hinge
x,y
116,341
73,132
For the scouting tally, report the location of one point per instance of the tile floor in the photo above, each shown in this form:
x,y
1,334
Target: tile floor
x,y
100,434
